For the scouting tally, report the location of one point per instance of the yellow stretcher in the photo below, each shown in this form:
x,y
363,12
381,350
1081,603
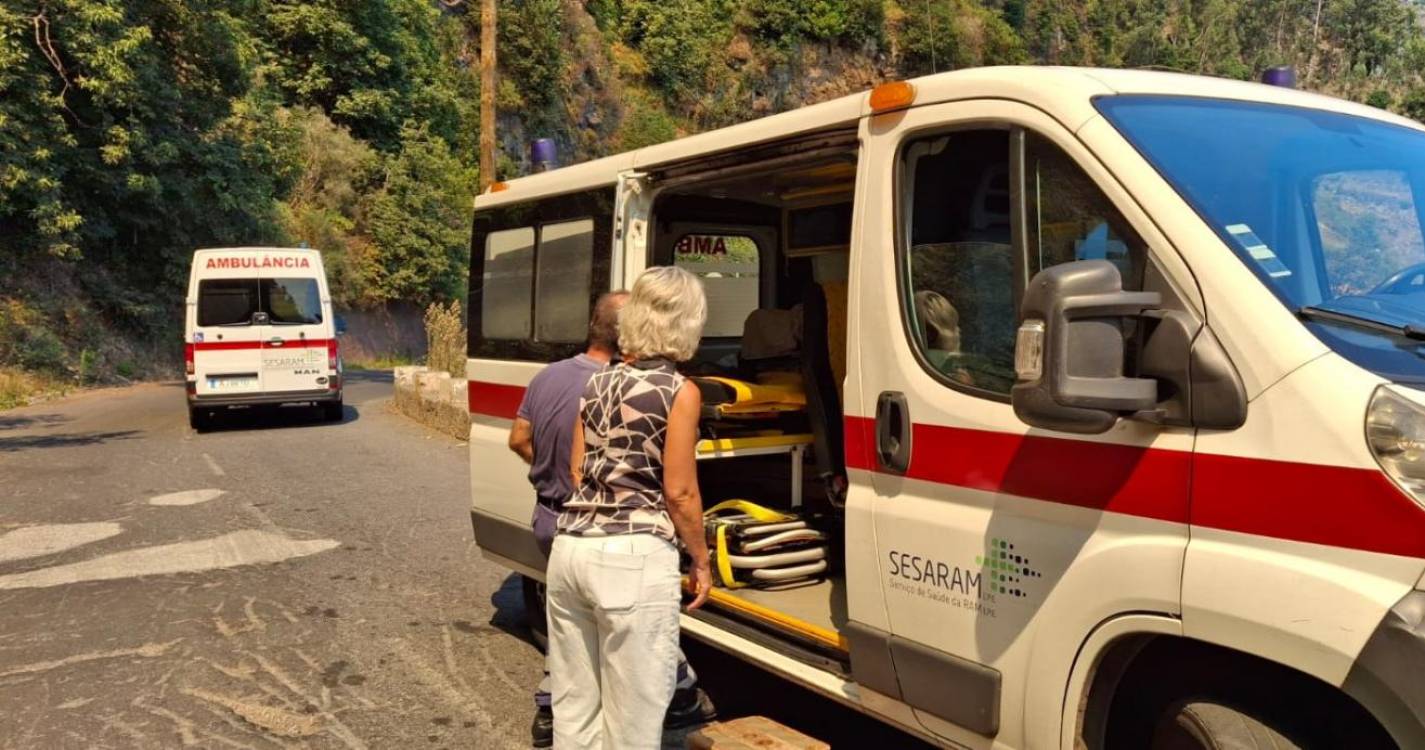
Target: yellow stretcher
x,y
773,393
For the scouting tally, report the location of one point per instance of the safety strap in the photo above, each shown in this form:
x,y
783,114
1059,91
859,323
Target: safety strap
x,y
751,509
724,561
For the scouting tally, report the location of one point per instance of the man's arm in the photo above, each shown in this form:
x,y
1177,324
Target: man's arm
x,y
522,439
680,487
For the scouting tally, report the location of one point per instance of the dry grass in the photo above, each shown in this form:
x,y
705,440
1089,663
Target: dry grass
x,y
445,339
18,388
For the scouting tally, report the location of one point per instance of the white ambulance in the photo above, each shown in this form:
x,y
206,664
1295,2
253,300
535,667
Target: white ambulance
x,y
1113,403
259,329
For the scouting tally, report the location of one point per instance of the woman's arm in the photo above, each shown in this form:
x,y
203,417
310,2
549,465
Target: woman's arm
x,y
576,453
680,486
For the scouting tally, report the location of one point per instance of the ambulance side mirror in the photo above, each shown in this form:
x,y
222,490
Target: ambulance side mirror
x,y
1070,349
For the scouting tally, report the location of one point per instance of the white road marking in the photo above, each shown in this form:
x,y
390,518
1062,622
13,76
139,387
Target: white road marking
x,y
38,541
248,547
187,497
148,651
217,470
274,720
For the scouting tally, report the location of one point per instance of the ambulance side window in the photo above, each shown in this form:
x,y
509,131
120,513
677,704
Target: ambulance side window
x,y
508,273
1071,219
226,302
962,271
958,265
562,281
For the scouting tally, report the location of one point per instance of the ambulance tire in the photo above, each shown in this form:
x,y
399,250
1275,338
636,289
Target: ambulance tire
x,y
331,411
535,620
1189,695
199,418
1200,725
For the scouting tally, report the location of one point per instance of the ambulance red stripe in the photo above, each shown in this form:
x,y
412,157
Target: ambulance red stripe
x,y
1331,505
216,346
1104,476
1336,506
494,399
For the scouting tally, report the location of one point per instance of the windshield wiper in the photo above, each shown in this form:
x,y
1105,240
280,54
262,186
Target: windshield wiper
x,y
1312,312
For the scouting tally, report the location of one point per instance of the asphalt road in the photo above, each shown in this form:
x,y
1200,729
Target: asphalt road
x,y
278,581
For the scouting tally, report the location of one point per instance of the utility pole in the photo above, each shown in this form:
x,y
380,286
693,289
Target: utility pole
x,y
487,93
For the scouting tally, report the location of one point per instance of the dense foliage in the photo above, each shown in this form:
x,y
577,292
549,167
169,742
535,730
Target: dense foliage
x,y
133,131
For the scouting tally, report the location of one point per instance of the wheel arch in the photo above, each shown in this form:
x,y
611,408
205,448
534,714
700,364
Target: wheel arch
x,y
1123,634
1128,652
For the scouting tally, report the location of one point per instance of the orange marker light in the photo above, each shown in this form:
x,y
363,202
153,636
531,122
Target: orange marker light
x,y
496,187
893,95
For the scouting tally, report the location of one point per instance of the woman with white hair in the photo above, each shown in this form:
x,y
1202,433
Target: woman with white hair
x,y
613,580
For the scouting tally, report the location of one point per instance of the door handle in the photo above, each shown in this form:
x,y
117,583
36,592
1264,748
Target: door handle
x,y
893,431
274,341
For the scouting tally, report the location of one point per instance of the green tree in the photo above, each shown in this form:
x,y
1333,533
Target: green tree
x,y
786,22
324,205
533,59
1369,32
944,36
1413,105
679,40
419,222
370,65
134,147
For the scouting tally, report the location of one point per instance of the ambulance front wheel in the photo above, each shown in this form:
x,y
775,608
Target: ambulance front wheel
x,y
1181,694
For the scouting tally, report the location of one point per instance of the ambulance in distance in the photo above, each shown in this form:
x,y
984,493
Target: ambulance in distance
x,y
259,330
1106,398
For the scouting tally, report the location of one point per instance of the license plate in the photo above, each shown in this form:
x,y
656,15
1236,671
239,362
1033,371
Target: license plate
x,y
232,383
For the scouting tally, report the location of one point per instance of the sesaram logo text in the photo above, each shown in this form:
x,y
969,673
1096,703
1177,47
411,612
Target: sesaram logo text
x,y
266,261
999,571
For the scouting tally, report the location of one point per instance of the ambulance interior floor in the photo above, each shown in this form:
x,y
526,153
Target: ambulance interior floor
x,y
820,604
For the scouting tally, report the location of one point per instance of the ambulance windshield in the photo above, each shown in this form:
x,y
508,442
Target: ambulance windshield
x,y
1325,208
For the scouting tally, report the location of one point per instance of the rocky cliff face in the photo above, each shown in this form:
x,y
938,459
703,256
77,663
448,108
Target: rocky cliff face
x,y
604,76
616,91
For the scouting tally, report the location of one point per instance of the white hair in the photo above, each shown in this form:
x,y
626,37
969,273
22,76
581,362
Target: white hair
x,y
664,315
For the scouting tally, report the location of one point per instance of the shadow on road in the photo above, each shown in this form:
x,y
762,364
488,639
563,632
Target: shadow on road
x,y
30,442
738,688
509,615
276,418
368,376
37,420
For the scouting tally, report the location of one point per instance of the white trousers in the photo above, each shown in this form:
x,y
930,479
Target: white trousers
x,y
613,640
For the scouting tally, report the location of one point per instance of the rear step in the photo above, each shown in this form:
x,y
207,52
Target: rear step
x,y
752,733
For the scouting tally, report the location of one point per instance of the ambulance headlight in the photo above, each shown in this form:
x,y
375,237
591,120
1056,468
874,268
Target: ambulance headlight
x,y
1395,431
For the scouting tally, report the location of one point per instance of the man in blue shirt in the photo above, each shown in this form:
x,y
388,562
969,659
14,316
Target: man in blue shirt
x,y
542,435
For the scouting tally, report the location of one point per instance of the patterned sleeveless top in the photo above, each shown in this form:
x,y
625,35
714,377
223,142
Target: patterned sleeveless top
x,y
625,414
